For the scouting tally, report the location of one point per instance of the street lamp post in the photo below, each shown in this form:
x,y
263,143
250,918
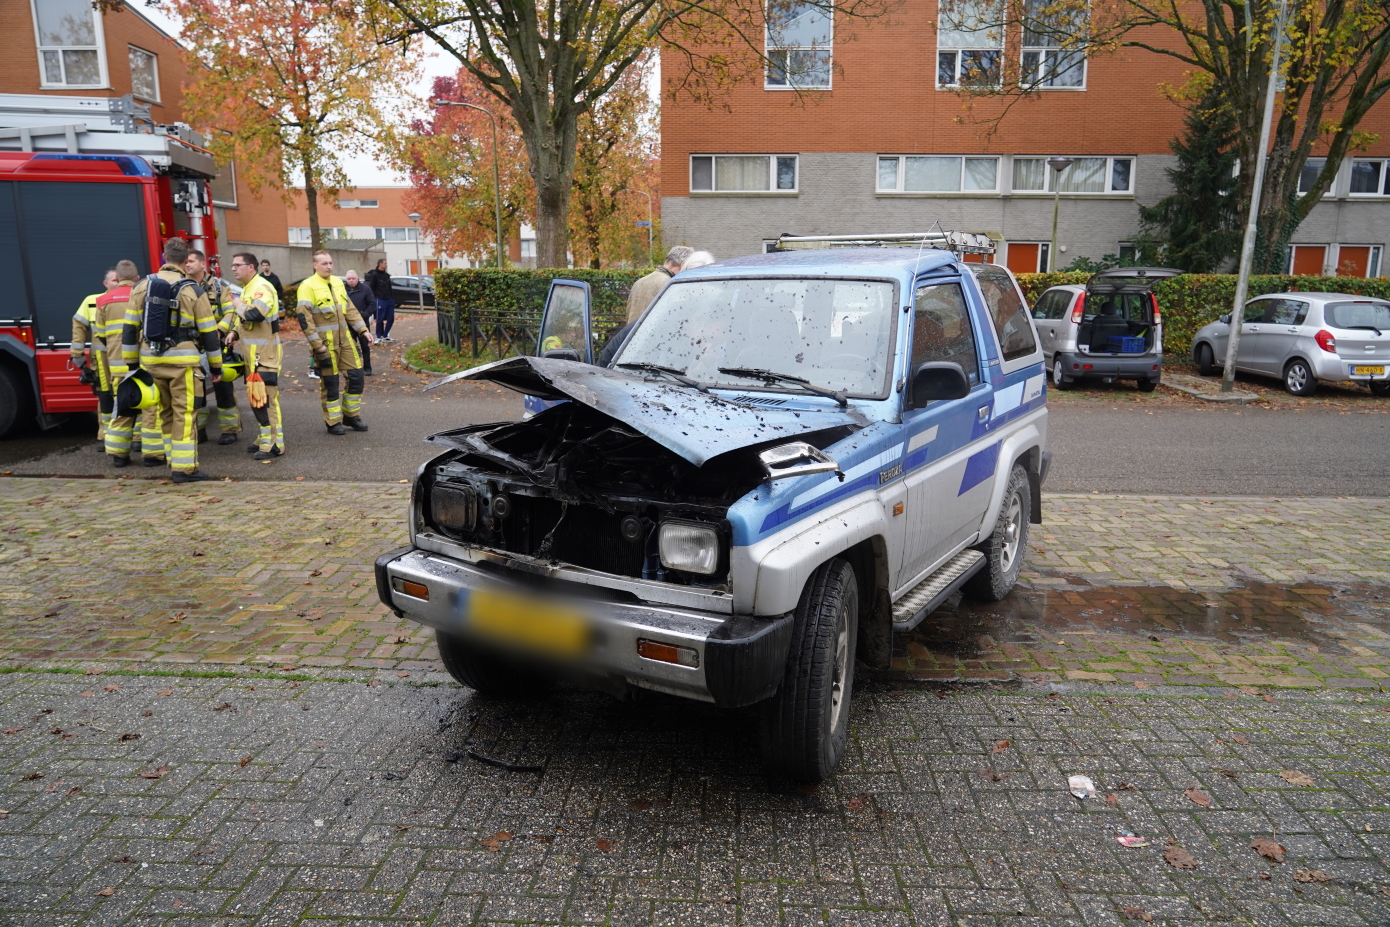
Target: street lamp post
x,y
419,264
1058,165
496,173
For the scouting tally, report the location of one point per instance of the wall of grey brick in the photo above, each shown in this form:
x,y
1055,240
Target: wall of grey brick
x,y
837,196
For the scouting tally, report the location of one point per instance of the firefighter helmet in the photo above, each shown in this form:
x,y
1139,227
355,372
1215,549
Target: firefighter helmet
x,y
136,391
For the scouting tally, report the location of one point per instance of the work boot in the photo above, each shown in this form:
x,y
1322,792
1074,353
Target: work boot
x,y
354,422
154,461
229,437
119,462
202,436
252,448
197,476
270,454
337,429
366,371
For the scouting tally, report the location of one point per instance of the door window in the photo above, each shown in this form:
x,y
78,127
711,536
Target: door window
x,y
566,322
1255,312
1040,308
941,329
1288,312
1061,301
1007,310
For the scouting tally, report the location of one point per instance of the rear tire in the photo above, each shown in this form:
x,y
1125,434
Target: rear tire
x,y
1059,379
1380,387
16,401
1299,379
1147,386
484,671
804,728
1007,543
1206,361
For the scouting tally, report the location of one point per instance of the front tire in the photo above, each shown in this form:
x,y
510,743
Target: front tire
x,y
1299,379
1007,543
1206,361
483,671
804,727
1059,379
16,401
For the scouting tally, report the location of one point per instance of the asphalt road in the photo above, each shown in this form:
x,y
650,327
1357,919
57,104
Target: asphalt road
x,y
1154,448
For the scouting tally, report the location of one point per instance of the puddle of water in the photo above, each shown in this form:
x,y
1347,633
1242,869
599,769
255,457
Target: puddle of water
x,y
1254,613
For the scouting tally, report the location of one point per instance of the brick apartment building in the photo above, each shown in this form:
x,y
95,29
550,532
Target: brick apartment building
x,y
886,144
65,48
380,213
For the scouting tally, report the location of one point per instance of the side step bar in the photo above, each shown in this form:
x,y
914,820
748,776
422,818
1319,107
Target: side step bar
x,y
928,595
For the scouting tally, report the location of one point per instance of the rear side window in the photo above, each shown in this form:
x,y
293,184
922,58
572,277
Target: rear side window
x,y
1132,307
941,329
1006,310
1358,315
1061,299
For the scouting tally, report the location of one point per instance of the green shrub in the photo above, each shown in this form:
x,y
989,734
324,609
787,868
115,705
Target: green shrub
x,y
521,293
429,354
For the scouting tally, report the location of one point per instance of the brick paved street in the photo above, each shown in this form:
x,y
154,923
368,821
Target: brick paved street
x,y
274,802
1237,591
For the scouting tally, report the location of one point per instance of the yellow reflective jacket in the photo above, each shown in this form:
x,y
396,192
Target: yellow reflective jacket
x,y
260,338
84,326
324,309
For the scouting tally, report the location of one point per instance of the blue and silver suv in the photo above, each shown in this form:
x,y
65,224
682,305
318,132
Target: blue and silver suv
x,y
793,457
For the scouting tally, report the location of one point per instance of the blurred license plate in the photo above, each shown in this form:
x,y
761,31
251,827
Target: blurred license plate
x,y
525,623
1368,371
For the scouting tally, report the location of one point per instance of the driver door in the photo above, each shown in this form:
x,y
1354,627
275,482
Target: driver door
x,y
565,332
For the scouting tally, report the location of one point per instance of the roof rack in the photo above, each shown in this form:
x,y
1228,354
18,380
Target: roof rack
x,y
957,242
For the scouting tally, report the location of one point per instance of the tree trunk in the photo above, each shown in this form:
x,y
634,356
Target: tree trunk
x,y
311,197
550,145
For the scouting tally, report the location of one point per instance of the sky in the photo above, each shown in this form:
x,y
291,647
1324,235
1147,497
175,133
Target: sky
x,y
361,168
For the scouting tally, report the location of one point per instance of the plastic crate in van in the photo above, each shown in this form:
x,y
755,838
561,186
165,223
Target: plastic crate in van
x,y
1124,344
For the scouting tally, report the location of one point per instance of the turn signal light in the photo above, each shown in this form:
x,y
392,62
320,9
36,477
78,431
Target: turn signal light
x,y
416,590
1326,341
1078,308
667,653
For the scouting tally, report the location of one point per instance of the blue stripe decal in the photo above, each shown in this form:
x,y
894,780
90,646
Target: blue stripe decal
x,y
784,514
979,468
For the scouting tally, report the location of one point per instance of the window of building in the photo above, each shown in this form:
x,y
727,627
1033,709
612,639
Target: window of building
x,y
395,234
144,74
304,236
358,204
1309,175
1369,178
224,185
937,174
1084,175
743,173
969,43
528,249
69,39
799,40
1050,59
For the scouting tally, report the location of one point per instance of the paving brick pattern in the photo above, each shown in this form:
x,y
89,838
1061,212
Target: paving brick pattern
x,y
273,802
261,573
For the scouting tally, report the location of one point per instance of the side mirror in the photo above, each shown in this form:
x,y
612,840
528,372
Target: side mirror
x,y
938,380
1226,317
569,354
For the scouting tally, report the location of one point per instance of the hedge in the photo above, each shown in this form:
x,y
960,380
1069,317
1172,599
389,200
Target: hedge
x,y
1188,301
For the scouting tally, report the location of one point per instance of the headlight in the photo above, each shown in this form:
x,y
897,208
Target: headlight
x,y
689,548
453,508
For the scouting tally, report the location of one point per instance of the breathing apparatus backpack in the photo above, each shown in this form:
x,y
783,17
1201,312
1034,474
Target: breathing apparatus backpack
x,y
159,324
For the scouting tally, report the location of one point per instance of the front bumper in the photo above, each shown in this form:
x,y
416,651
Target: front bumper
x,y
740,660
1121,366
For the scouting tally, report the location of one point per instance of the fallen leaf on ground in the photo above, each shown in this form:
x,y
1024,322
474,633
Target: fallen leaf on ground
x,y
165,692
1294,777
986,773
74,790
999,746
604,844
245,760
1242,740
1229,773
402,674
494,843
1266,696
224,706
88,694
31,777
1268,849
15,730
92,671
1140,684
371,684
1179,858
1125,787
1250,690
1139,914
1197,796
159,773
858,802
125,737
1112,799
1311,875
316,573
112,688
106,893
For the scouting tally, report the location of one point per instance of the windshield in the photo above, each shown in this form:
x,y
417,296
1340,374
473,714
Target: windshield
x,y
832,333
1358,315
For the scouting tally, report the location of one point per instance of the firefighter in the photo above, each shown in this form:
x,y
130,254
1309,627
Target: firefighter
x,y
220,298
332,325
110,320
93,369
173,357
253,324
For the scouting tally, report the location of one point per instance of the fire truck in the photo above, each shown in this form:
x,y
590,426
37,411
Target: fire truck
x,y
84,182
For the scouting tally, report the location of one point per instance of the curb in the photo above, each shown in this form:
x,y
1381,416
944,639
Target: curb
x,y
1203,391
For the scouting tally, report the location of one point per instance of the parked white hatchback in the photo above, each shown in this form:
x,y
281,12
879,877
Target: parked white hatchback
x,y
1303,338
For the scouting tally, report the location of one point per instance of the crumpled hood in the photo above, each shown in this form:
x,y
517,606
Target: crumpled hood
x,y
697,426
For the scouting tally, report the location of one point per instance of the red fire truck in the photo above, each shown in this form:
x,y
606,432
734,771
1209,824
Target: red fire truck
x,y
84,182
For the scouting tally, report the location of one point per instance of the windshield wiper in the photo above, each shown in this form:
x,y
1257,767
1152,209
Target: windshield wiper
x,y
677,375
1363,328
758,373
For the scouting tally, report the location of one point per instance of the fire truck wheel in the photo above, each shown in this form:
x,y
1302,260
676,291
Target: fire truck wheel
x,y
16,405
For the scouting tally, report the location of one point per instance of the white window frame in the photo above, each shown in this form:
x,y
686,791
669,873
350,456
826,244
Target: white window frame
x,y
232,204
1051,175
960,50
901,173
40,48
1332,188
155,60
1044,53
772,189
410,230
769,49
1384,188
1374,263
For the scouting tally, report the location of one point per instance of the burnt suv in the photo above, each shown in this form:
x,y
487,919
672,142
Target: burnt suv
x,y
793,457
